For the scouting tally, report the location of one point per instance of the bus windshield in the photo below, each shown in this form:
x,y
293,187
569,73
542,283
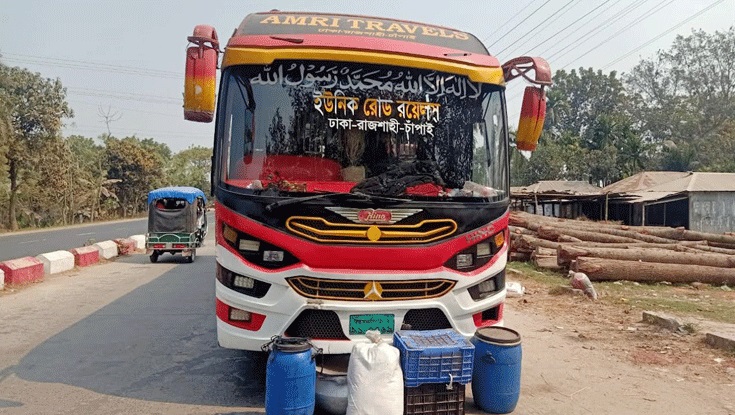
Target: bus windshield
x,y
300,127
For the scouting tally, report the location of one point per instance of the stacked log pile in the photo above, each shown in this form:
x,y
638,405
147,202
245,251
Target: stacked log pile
x,y
609,251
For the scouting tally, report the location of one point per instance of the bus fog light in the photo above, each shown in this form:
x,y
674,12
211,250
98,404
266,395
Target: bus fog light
x,y
272,256
483,249
487,286
249,245
464,260
239,315
243,282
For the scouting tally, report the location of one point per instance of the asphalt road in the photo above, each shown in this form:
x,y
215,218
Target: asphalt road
x,y
131,337
22,244
124,337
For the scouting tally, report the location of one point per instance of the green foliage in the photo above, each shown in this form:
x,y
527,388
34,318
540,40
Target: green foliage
x,y
674,111
191,167
36,108
588,132
137,170
684,101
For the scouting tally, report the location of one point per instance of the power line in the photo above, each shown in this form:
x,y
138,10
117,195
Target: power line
x,y
646,15
136,131
180,116
570,25
596,30
155,99
671,29
509,20
585,37
519,23
528,37
91,66
535,27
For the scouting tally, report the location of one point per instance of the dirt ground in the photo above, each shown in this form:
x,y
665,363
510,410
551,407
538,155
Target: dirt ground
x,y
614,322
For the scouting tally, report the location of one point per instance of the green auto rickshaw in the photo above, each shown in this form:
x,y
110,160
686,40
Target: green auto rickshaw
x,y
177,222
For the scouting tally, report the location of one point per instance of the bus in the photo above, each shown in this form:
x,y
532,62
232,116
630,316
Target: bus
x,y
360,175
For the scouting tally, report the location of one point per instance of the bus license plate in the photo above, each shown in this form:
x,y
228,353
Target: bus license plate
x,y
361,323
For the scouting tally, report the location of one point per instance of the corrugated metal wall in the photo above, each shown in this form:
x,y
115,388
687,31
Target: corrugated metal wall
x,y
712,211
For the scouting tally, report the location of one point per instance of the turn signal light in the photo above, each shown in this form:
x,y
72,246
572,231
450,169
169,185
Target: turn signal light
x,y
499,239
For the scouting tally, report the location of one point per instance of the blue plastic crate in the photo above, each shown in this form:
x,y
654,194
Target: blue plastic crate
x,y
431,356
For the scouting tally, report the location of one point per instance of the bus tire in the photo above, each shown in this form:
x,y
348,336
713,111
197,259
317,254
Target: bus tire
x,y
154,257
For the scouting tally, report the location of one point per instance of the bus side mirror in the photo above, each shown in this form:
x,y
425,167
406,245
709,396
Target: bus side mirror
x,y
201,73
533,110
532,117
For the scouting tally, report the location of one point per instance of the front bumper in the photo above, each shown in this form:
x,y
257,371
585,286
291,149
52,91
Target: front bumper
x,y
282,305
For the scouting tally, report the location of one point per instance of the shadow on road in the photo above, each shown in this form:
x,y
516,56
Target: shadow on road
x,y
157,343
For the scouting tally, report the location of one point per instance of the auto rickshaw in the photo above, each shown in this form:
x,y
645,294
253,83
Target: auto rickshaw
x,y
177,222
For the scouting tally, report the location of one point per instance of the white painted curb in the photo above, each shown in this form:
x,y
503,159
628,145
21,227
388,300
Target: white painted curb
x,y
139,242
108,249
56,261
2,279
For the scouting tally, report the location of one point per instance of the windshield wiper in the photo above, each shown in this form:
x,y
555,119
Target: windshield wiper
x,y
338,195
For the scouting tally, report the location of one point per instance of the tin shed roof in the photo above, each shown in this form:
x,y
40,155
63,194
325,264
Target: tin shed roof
x,y
561,187
699,182
643,181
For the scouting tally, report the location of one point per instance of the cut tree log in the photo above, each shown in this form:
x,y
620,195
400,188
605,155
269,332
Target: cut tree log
x,y
566,254
527,243
534,223
682,234
553,234
544,258
520,230
599,269
704,247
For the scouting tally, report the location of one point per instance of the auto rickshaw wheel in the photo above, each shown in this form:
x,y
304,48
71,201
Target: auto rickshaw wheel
x,y
154,257
193,256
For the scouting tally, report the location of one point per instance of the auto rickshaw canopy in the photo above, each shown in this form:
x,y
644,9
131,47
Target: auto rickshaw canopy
x,y
188,193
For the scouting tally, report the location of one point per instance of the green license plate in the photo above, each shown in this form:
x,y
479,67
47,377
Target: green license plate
x,y
361,323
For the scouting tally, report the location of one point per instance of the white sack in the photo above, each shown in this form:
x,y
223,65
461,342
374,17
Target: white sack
x,y
374,378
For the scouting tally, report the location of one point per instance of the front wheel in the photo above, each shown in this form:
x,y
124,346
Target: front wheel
x,y
154,257
193,256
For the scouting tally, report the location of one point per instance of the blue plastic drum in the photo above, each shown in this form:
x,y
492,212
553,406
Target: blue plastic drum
x,y
290,378
496,374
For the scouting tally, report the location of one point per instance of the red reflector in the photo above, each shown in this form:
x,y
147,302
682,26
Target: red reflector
x,y
159,245
224,312
179,246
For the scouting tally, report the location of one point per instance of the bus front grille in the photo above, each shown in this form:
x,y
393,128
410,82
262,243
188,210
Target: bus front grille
x,y
351,290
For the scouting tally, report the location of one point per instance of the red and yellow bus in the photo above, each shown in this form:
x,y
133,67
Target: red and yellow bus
x,y
360,173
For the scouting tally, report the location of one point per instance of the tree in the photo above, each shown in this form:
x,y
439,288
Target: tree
x,y
191,167
137,169
37,107
91,174
685,97
160,149
588,132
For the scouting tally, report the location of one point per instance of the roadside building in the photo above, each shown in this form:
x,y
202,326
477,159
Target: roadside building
x,y
558,198
695,200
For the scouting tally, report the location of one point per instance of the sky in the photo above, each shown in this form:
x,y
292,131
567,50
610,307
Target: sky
x,y
124,61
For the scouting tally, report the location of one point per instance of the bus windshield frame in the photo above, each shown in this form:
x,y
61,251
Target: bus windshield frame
x,y
296,128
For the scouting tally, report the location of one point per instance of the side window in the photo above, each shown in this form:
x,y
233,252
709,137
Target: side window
x,y
238,131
